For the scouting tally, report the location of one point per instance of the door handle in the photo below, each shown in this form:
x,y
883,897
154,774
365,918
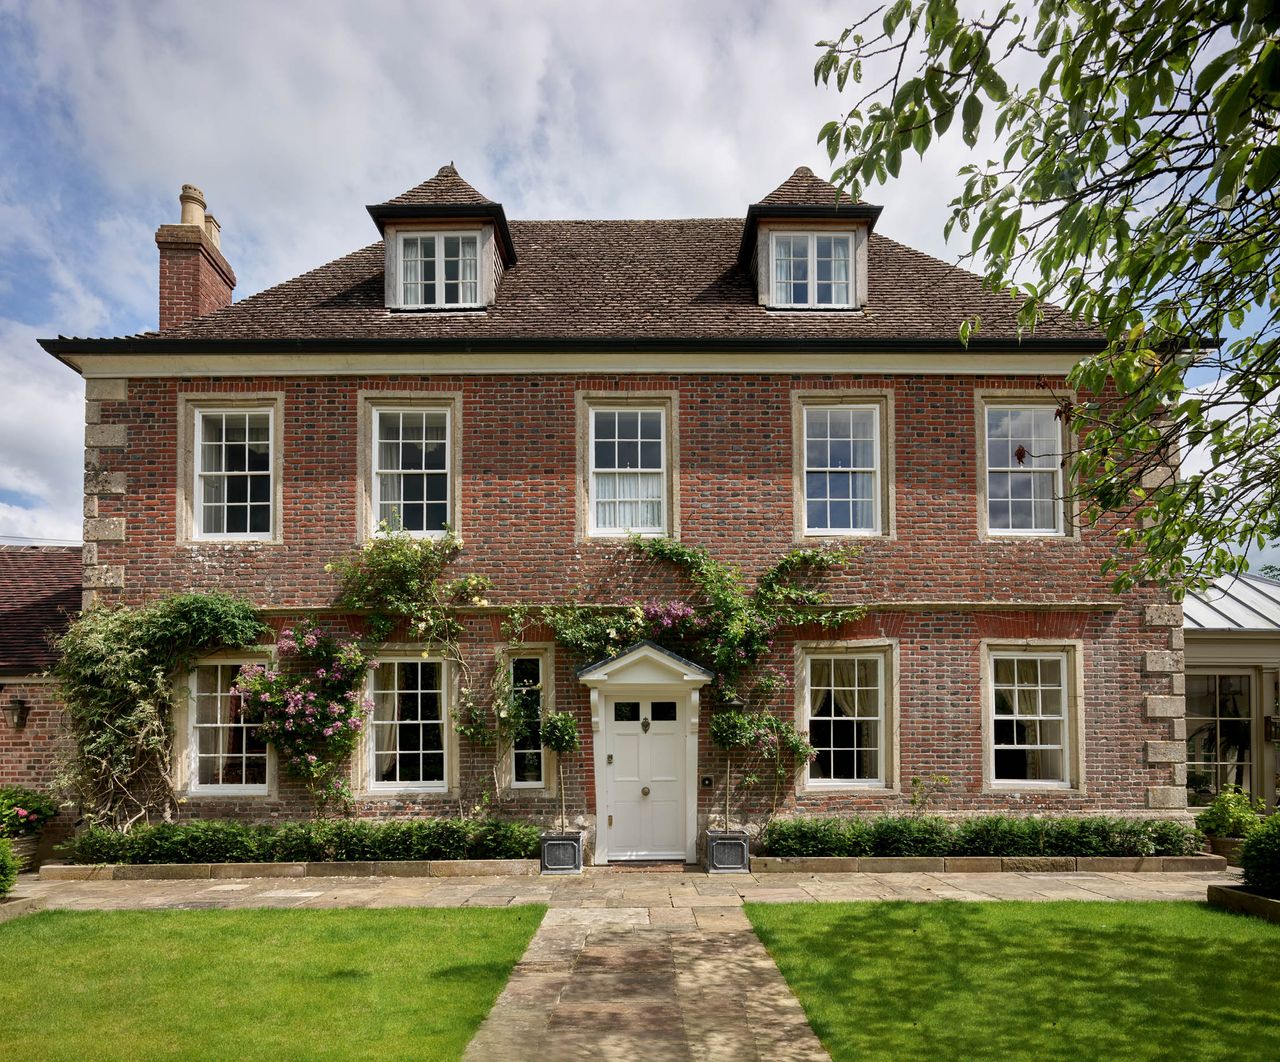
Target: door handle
x,y
644,791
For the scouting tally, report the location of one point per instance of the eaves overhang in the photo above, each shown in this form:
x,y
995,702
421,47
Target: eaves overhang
x,y
67,349
865,213
385,212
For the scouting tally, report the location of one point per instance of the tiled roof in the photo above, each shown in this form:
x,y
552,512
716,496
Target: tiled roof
x,y
1234,603
676,280
446,188
802,188
39,594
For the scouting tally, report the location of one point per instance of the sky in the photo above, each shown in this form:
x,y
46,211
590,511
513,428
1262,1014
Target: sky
x,y
291,116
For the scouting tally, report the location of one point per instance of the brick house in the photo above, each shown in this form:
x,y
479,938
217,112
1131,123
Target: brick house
x,y
546,387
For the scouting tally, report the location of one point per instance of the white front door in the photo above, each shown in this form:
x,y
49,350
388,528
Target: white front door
x,y
645,772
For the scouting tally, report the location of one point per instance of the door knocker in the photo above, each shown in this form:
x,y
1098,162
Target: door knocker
x,y
644,724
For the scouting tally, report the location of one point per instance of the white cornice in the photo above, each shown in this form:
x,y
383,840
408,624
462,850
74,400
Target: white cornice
x,y
135,366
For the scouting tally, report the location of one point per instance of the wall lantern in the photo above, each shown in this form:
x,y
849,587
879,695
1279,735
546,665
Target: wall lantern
x,y
16,712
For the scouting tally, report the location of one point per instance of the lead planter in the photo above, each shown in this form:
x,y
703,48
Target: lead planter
x,y
562,852
726,852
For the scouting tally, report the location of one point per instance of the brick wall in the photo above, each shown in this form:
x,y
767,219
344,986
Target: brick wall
x,y
938,585
194,277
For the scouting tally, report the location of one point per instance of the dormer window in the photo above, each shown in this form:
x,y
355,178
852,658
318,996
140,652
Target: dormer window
x,y
812,270
439,269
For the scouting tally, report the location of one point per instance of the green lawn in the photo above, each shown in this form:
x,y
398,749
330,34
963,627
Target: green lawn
x,y
1077,981
254,984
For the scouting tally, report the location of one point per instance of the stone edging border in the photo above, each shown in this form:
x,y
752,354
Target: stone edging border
x,y
983,864
409,868
19,906
1241,899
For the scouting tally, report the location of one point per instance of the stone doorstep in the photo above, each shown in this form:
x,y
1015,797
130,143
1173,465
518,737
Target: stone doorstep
x,y
19,906
439,868
1228,897
984,864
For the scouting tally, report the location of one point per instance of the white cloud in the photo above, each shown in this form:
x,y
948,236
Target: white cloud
x,y
292,116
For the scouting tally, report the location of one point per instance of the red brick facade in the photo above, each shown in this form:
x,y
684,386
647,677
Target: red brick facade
x,y
937,587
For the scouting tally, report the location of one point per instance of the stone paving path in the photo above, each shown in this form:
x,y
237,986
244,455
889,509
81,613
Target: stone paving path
x,y
632,966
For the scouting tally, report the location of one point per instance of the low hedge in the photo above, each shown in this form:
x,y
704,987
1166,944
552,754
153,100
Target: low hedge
x,y
8,867
987,835
1260,858
322,840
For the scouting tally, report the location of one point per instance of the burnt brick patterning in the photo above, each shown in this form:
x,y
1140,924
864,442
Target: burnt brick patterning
x,y
517,518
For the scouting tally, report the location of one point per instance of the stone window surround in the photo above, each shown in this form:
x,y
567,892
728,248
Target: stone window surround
x,y
368,403
883,399
762,260
185,782
887,650
1020,397
545,652
237,401
585,402
488,264
362,759
1074,721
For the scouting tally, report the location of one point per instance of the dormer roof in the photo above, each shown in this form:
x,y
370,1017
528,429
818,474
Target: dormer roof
x,y
803,195
443,197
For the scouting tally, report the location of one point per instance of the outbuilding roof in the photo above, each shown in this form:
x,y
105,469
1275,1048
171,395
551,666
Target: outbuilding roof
x,y
39,596
1234,603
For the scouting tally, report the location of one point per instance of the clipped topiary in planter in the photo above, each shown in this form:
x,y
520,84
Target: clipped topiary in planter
x,y
562,851
727,849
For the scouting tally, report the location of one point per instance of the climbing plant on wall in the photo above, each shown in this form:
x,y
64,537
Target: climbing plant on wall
x,y
117,667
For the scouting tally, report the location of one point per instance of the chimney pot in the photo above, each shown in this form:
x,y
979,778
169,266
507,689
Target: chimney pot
x,y
193,204
213,230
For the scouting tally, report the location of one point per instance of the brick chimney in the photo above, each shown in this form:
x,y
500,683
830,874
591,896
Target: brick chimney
x,y
194,277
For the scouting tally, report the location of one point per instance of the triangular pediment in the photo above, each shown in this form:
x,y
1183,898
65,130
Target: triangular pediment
x,y
646,664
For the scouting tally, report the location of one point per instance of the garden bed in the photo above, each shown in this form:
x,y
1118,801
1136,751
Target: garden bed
x,y
407,868
984,864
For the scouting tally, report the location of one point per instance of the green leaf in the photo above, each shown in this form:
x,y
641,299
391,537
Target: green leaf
x,y
1265,169
971,116
1229,111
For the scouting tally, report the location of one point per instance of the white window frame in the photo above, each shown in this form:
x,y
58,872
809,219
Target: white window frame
x,y
883,662
198,473
775,299
446,728
664,471
375,472
515,655
439,235
194,726
1059,490
876,470
1067,720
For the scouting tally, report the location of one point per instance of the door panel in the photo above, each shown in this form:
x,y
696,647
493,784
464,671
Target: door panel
x,y
647,749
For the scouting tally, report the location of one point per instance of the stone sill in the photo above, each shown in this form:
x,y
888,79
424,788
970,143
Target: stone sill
x,y
1242,899
984,864
409,868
